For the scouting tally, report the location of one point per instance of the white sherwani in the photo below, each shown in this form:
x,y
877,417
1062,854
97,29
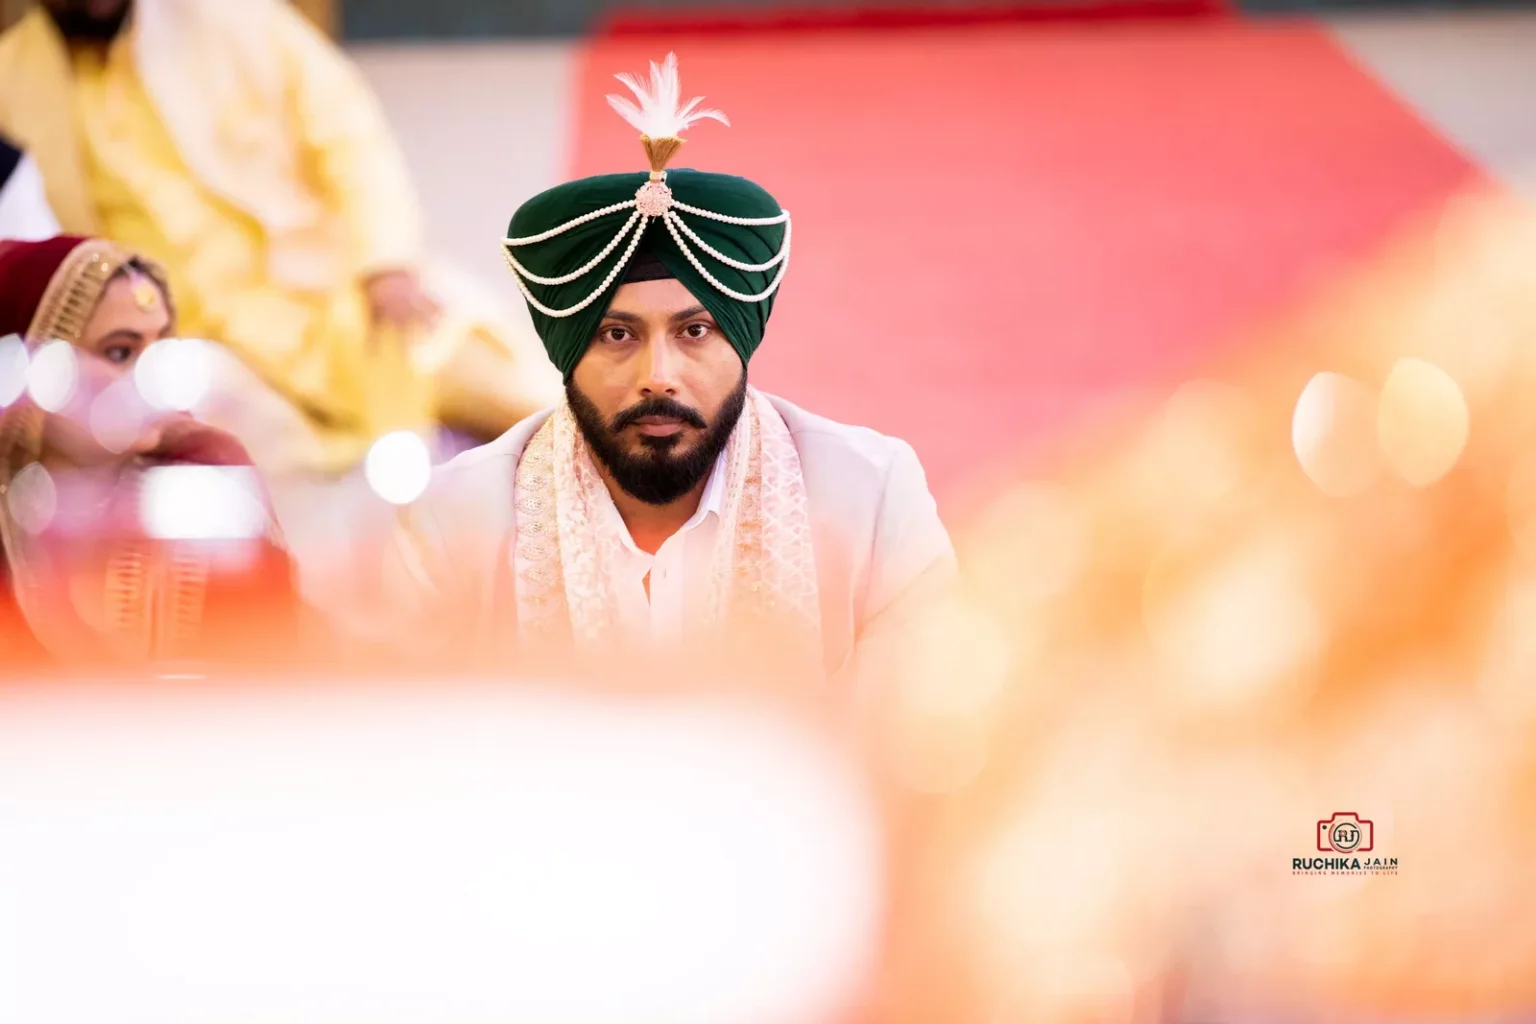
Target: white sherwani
x,y
882,555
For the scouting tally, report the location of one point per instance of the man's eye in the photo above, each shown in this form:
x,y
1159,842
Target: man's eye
x,y
697,331
614,334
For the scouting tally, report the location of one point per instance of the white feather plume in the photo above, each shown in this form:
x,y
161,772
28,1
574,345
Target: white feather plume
x,y
660,113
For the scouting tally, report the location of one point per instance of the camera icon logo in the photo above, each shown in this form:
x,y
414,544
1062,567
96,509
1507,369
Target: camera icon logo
x,y
1346,832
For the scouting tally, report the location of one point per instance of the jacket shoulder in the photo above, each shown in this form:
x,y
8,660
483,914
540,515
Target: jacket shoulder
x,y
860,450
476,485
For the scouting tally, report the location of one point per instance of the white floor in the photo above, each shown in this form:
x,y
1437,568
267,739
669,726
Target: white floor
x,y
484,126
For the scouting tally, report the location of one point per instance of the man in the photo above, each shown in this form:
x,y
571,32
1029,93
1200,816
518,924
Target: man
x,y
24,211
665,495
235,145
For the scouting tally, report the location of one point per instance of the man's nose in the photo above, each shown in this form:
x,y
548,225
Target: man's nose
x,y
659,376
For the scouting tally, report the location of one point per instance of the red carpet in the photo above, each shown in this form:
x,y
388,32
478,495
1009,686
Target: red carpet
x,y
993,226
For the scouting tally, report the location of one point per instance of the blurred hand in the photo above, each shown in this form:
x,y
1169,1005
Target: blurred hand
x,y
97,417
184,439
102,419
397,299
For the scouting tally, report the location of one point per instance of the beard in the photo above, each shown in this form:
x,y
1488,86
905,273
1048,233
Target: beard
x,y
77,24
657,474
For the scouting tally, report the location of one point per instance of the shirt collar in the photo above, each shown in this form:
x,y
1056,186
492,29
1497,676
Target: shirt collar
x,y
713,498
711,502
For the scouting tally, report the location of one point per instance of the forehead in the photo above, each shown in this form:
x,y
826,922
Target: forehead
x,y
663,296
132,303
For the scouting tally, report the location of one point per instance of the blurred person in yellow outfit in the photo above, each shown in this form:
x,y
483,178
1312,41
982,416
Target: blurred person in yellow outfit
x,y
238,147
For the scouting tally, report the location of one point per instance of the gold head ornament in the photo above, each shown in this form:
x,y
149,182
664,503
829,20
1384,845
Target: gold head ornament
x,y
146,294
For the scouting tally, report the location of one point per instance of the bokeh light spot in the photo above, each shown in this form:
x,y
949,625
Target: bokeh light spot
x,y
399,467
1333,433
174,373
1422,421
202,503
33,498
53,375
13,368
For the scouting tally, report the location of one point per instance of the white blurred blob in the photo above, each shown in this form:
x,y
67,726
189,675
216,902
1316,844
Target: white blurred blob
x,y
1520,505
1334,434
202,503
1035,901
13,368
1465,327
1422,421
399,467
1421,747
1072,890
33,498
1046,535
1505,684
957,661
478,856
1199,433
118,416
52,375
954,667
174,373
1084,987
1239,628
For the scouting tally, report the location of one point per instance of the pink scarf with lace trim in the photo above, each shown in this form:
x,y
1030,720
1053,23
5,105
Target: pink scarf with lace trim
x,y
567,540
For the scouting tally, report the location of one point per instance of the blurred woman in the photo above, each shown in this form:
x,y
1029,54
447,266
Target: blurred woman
x,y
131,534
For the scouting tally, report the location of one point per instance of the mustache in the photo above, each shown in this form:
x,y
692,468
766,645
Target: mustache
x,y
658,406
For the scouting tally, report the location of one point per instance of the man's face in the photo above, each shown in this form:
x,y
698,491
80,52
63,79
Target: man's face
x,y
658,391
89,20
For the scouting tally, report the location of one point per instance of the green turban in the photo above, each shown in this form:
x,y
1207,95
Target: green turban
x,y
566,337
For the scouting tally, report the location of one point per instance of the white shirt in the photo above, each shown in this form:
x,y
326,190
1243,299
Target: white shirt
x,y
439,576
679,570
24,211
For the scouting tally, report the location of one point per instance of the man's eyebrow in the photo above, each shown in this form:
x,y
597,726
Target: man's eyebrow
x,y
687,314
619,314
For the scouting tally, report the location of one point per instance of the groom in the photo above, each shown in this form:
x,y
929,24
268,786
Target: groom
x,y
665,495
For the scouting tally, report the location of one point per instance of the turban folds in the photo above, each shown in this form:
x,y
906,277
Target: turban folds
x,y
566,338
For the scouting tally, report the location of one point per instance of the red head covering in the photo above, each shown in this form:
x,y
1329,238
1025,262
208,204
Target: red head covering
x,y
26,268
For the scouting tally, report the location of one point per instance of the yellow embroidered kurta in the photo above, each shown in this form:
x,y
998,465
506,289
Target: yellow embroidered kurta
x,y
314,346
269,204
